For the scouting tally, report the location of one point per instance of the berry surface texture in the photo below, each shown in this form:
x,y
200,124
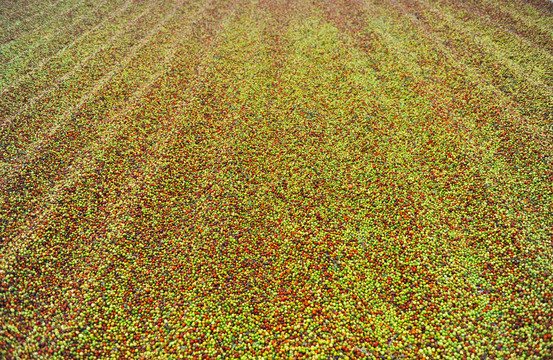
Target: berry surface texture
x,y
276,179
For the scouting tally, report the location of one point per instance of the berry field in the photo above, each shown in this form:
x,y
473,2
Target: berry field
x,y
274,179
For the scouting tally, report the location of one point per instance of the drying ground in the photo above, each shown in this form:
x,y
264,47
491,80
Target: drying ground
x,y
276,179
